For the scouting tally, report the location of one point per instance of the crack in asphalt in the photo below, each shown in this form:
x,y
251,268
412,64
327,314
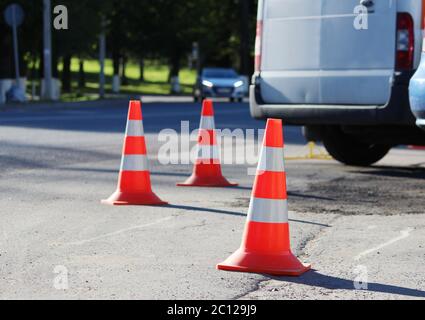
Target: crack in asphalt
x,y
255,287
203,223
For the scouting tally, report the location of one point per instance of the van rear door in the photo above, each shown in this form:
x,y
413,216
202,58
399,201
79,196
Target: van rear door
x,y
313,52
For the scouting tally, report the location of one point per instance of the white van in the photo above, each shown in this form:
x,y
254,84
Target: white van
x,y
342,69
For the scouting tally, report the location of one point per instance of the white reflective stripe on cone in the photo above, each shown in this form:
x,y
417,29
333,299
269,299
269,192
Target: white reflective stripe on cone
x,y
207,123
268,210
272,159
135,128
135,163
208,152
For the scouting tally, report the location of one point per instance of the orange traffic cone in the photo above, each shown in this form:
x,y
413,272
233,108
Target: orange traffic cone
x,y
207,172
266,245
134,184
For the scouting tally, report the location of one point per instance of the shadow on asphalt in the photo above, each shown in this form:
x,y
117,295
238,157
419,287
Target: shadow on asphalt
x,y
202,209
166,174
90,170
316,279
307,196
310,222
170,174
157,116
394,172
234,213
290,194
240,188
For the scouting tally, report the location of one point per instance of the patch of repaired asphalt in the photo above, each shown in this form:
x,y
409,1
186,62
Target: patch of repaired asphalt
x,y
343,190
363,191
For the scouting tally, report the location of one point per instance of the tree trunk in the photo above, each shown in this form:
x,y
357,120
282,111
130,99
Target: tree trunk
x,y
142,70
175,66
66,73
55,66
116,78
41,65
6,49
123,71
116,63
33,74
81,76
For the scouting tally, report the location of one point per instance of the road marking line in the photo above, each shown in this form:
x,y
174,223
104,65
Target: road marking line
x,y
404,234
112,234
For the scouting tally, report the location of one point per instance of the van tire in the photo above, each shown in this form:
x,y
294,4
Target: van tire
x,y
313,133
350,151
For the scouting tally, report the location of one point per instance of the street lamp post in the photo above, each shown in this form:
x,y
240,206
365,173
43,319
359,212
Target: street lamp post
x,y
16,48
102,56
47,52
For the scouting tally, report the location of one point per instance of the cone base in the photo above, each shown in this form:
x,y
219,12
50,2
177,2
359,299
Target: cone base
x,y
207,182
134,199
283,264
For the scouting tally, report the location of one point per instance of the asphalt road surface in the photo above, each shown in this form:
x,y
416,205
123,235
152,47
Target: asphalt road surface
x,y
360,228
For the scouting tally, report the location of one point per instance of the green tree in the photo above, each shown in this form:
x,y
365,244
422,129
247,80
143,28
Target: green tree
x,y
80,39
137,30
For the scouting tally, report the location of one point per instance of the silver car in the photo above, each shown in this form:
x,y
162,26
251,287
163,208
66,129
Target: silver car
x,y
219,82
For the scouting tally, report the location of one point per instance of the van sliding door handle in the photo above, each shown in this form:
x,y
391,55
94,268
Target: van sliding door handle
x,y
367,3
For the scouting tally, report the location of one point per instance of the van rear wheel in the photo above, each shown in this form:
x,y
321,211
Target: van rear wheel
x,y
350,151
